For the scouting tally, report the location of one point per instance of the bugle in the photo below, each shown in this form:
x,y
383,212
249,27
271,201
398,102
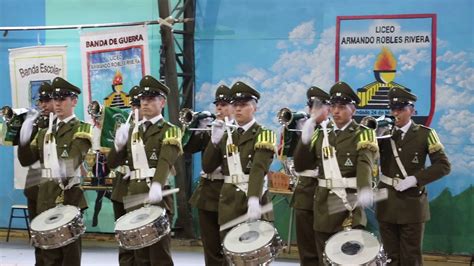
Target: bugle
x,y
286,116
187,116
381,125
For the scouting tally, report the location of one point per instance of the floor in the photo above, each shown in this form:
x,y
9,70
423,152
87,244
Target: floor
x,y
18,252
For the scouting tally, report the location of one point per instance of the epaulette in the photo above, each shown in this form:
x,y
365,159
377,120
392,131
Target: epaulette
x,y
266,139
34,142
367,139
84,131
434,144
173,136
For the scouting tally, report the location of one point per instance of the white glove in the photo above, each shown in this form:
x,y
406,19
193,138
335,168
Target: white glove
x,y
126,176
155,195
365,197
300,123
408,182
121,136
27,127
254,210
308,130
217,131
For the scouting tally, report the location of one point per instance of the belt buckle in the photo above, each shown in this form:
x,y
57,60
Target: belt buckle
x,y
395,182
210,177
328,183
138,174
235,178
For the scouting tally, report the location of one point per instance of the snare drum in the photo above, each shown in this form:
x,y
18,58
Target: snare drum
x,y
252,243
142,228
57,227
354,247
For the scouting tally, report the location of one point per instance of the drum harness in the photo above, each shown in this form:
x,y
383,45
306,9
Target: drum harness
x,y
51,168
140,161
333,178
237,175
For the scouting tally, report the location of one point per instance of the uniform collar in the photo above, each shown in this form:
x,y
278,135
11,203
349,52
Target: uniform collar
x,y
66,120
405,127
248,125
153,120
344,127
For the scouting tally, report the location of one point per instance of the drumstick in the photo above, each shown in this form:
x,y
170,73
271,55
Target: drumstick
x,y
265,208
335,204
139,199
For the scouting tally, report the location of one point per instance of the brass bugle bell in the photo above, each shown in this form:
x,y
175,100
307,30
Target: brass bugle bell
x,y
94,109
187,116
286,116
381,124
7,113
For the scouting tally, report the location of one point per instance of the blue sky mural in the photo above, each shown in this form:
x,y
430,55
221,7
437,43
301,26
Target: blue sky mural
x,y
283,48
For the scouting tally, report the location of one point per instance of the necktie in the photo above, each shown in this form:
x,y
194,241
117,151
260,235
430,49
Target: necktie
x,y
146,125
337,132
397,135
59,125
240,131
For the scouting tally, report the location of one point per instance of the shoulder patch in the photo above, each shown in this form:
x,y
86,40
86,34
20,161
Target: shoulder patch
x,y
367,139
173,136
83,131
434,144
266,139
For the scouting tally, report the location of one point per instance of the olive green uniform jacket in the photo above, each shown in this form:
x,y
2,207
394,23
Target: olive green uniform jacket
x,y
162,142
411,205
356,152
256,147
73,140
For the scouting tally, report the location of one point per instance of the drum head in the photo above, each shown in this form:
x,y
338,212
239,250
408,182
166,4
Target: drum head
x,y
55,217
249,236
138,218
354,247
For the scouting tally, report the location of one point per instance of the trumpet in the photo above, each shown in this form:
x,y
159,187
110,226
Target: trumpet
x,y
94,109
7,113
381,125
286,116
187,116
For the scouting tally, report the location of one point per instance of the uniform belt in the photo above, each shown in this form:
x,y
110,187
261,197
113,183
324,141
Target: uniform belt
x,y
71,181
391,181
142,173
46,173
345,182
214,176
236,179
124,169
309,173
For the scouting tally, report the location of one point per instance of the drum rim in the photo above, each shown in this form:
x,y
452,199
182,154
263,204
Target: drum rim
x,y
121,218
77,215
80,225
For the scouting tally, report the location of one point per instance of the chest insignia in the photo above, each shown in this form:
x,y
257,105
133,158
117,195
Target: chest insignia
x,y
415,159
348,162
153,156
64,154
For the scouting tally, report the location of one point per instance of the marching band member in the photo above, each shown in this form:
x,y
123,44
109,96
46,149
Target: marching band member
x,y
206,196
30,128
61,149
303,196
345,156
244,156
121,182
150,149
403,215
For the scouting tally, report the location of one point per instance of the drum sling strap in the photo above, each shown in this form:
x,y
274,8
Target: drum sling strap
x,y
397,158
331,168
140,161
234,164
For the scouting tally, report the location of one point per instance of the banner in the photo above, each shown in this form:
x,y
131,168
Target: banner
x,y
376,53
29,67
113,61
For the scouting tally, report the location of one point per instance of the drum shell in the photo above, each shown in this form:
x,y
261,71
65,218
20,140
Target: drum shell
x,y
144,236
261,256
59,236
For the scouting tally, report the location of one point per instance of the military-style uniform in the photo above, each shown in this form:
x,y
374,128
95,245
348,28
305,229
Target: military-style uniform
x,y
34,173
73,140
402,216
162,142
303,195
356,152
120,188
206,196
256,147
